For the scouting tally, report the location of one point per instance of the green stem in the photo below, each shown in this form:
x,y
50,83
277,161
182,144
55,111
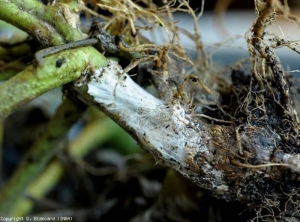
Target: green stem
x,y
34,81
51,25
80,146
92,136
39,155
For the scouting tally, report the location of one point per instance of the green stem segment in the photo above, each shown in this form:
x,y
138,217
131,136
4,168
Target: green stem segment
x,y
51,25
39,155
90,137
57,70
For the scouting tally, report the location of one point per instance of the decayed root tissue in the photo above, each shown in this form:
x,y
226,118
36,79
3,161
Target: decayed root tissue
x,y
248,150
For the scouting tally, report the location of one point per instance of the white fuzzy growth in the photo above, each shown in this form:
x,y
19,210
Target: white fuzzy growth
x,y
162,129
293,161
114,85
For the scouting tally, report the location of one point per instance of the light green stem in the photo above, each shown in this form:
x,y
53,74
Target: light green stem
x,y
34,81
39,155
49,24
94,134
